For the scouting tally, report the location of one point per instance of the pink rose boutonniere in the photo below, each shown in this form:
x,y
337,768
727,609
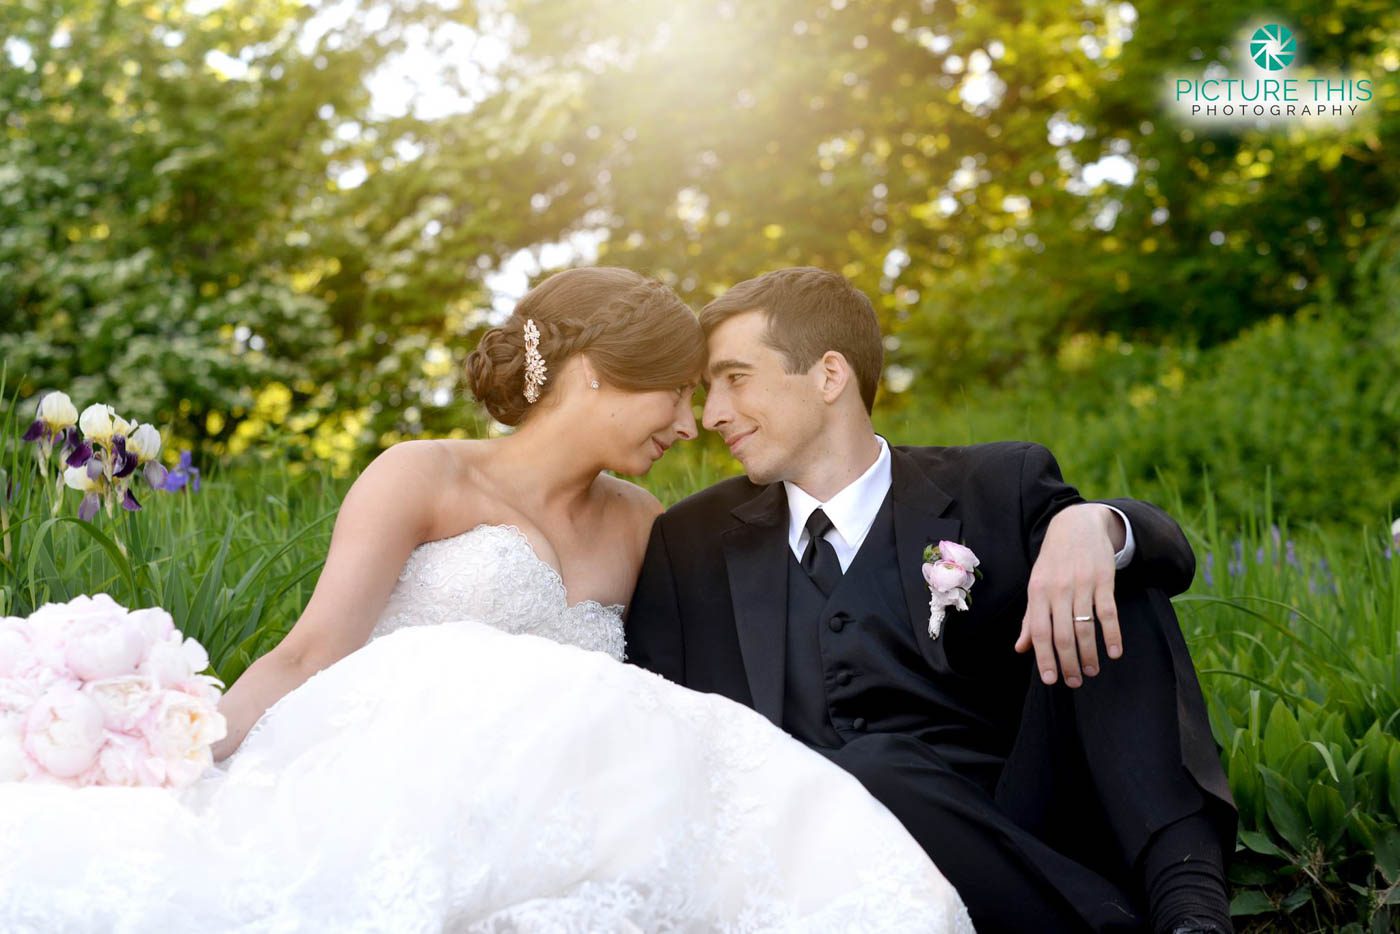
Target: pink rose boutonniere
x,y
950,570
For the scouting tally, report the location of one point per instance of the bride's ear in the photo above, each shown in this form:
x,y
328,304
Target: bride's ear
x,y
835,373
590,375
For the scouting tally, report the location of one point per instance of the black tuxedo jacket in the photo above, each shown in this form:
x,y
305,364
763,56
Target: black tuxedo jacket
x,y
709,610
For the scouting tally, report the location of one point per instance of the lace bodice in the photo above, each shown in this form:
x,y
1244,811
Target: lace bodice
x,y
491,574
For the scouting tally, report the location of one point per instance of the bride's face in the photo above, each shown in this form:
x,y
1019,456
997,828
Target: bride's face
x,y
640,426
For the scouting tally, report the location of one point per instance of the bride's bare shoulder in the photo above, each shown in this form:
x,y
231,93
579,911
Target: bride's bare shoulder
x,y
419,475
631,507
461,457
416,456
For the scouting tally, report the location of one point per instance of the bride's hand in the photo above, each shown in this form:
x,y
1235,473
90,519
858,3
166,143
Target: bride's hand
x,y
387,513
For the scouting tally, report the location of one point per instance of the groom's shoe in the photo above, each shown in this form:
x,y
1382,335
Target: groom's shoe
x,y
1193,926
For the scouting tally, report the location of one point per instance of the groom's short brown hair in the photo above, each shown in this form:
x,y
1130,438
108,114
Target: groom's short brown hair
x,y
809,312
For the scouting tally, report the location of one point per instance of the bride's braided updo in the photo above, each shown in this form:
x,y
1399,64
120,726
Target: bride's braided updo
x,y
637,333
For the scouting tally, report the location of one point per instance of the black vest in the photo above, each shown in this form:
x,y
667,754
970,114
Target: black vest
x,y
853,665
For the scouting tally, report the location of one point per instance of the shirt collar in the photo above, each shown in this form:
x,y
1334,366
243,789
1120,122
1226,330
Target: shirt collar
x,y
852,510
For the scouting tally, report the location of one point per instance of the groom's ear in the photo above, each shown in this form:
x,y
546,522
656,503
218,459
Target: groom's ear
x,y
835,373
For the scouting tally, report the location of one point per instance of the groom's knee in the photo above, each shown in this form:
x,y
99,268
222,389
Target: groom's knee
x,y
909,777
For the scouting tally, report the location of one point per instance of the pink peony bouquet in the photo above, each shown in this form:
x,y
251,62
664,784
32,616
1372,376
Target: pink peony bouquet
x,y
94,694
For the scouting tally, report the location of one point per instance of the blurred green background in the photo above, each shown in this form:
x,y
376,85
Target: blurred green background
x,y
275,230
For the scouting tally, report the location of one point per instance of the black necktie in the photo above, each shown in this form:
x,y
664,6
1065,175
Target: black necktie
x,y
819,560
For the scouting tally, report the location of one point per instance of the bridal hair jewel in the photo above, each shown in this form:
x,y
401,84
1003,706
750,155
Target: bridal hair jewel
x,y
535,371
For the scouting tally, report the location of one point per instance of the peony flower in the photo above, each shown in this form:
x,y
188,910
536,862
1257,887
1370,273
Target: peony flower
x,y
949,571
945,577
960,555
126,761
63,732
155,623
173,662
125,702
180,731
14,764
206,688
16,647
98,608
109,651
54,625
96,423
96,696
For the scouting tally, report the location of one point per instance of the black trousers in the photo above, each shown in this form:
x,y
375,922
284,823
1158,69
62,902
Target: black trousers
x,y
1094,773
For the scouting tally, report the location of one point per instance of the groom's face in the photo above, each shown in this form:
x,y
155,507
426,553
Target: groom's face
x,y
770,418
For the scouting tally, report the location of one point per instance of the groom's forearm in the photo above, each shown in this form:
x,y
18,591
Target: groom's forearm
x,y
1164,558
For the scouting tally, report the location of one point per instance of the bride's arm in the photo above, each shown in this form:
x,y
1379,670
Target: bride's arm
x,y
386,514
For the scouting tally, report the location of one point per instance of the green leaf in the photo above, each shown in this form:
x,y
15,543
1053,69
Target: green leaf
x,y
1363,829
1297,899
1260,843
1251,902
1246,785
1282,737
1246,874
1393,770
1327,758
1287,812
1328,814
1388,856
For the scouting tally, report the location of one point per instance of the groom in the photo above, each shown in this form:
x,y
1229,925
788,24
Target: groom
x,y
1052,803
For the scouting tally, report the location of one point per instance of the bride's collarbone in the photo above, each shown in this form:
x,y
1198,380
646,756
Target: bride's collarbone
x,y
594,555
591,567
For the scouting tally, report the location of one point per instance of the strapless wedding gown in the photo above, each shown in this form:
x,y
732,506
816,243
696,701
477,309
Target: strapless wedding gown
x,y
484,763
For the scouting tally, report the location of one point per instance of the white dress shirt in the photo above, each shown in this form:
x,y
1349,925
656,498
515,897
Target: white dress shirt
x,y
852,513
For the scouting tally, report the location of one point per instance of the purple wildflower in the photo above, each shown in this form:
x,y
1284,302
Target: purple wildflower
x,y
1236,568
184,473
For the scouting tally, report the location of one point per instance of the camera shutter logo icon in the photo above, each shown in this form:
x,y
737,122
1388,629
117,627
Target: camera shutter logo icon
x,y
1273,47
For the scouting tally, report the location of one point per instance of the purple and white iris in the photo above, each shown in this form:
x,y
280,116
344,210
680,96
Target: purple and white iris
x,y
102,463
53,427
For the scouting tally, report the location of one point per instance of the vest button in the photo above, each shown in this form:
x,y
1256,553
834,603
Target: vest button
x,y
858,724
844,678
837,622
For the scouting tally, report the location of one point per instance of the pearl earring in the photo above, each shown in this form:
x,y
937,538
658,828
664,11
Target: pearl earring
x,y
593,383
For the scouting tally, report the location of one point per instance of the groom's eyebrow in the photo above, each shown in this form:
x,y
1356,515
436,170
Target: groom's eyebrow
x,y
720,367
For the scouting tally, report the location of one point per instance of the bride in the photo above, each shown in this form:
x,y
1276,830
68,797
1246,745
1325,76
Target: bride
x,y
447,739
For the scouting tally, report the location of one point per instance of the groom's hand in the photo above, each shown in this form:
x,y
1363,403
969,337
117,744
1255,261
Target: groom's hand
x,y
1073,576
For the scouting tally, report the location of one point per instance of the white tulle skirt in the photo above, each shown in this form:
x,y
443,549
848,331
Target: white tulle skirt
x,y
454,777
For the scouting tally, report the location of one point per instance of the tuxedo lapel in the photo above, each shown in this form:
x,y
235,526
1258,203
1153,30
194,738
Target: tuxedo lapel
x,y
919,505
756,556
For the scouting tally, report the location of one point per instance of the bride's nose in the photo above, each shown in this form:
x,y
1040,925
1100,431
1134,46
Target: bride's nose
x,y
685,424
